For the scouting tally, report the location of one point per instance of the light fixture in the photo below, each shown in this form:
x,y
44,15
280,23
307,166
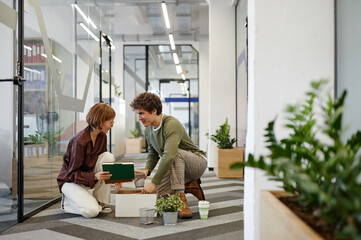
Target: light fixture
x,y
92,23
27,47
165,15
87,19
175,58
183,76
54,57
32,70
179,69
171,40
89,32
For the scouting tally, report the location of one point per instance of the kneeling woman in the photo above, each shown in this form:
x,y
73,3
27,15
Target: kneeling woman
x,y
81,179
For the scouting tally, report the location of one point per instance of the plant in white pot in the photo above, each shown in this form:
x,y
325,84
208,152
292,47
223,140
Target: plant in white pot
x,y
169,207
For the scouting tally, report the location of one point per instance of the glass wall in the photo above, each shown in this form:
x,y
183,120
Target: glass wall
x,y
61,59
8,130
176,84
241,72
348,61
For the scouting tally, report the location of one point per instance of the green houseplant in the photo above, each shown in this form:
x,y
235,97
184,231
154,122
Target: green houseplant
x,y
169,207
135,132
222,136
227,154
316,165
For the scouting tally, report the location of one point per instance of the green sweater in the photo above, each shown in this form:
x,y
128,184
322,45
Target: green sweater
x,y
163,145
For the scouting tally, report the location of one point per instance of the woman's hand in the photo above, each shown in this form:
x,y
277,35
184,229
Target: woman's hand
x,y
118,185
101,176
149,188
146,172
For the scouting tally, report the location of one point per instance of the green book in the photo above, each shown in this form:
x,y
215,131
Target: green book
x,y
121,172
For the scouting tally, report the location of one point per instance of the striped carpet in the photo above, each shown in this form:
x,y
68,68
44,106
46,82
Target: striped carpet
x,y
225,218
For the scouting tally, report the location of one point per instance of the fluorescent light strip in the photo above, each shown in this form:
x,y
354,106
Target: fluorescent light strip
x,y
89,32
183,76
87,19
179,69
175,58
92,23
171,40
32,70
81,12
29,48
57,59
165,15
54,57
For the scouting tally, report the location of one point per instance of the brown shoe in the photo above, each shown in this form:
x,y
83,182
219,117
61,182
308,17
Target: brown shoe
x,y
194,188
186,212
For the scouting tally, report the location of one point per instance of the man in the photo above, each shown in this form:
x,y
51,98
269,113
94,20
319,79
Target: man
x,y
181,162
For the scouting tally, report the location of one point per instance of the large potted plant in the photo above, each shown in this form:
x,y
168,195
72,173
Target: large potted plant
x,y
227,154
169,207
317,166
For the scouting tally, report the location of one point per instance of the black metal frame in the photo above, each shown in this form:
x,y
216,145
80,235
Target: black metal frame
x,y
109,44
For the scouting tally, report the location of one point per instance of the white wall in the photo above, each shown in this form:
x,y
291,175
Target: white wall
x,y
222,83
203,50
290,44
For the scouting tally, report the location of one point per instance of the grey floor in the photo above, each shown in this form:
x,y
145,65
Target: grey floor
x,y
225,218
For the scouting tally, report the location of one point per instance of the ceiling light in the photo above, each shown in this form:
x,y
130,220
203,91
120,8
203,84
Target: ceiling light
x,y
175,58
92,23
179,69
89,32
87,19
171,40
54,57
32,70
27,47
165,15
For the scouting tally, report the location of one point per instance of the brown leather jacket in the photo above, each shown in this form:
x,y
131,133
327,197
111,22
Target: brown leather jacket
x,y
80,159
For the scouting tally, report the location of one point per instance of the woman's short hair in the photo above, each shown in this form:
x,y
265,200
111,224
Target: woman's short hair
x,y
99,113
147,101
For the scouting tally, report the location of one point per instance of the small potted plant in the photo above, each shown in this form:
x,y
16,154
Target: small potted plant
x,y
37,141
169,207
227,154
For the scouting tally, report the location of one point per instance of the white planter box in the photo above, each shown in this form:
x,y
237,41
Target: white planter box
x,y
128,202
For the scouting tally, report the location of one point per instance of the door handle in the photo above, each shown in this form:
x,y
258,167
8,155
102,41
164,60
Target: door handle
x,y
17,80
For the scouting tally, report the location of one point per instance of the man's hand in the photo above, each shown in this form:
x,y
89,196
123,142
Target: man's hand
x,y
149,188
118,185
101,176
146,172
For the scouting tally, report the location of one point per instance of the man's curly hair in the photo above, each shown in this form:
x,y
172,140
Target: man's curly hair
x,y
147,101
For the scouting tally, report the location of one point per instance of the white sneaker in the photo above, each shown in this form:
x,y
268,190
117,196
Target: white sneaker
x,y
105,209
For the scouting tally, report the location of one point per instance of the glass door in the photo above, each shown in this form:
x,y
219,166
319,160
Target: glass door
x,y
8,123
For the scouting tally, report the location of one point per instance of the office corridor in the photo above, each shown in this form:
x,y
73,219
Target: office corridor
x,y
225,218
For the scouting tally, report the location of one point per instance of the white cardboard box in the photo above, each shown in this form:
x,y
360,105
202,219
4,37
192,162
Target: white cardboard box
x,y
128,202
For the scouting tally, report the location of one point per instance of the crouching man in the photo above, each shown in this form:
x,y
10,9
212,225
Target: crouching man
x,y
181,162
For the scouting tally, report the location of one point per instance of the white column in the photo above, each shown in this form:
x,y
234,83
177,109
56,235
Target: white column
x,y
222,83
291,43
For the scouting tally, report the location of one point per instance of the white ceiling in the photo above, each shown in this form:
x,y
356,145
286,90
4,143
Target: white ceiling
x,y
142,20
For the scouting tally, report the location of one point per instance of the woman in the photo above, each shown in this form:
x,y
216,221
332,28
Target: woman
x,y
82,166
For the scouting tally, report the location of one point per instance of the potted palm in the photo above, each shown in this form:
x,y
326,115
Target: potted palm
x,y
318,167
227,154
169,207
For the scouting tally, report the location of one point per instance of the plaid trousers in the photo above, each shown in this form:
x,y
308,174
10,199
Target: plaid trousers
x,y
187,166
